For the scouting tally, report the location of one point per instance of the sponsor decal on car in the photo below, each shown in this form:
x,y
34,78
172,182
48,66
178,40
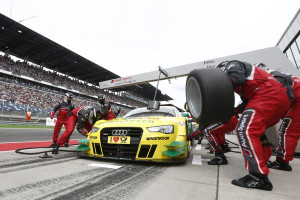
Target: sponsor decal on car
x,y
181,123
130,121
118,140
157,138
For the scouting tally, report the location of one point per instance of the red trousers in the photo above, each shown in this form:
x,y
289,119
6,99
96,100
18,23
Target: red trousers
x,y
72,120
57,128
289,131
264,109
215,133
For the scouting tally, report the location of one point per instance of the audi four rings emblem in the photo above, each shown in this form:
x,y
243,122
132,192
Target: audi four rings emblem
x,y
119,132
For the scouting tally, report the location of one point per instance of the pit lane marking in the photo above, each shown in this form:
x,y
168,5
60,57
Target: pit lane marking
x,y
104,166
197,160
198,147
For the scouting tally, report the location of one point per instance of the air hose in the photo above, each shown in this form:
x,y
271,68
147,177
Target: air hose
x,y
20,151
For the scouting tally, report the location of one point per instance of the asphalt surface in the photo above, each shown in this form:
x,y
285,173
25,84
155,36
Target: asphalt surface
x,y
69,176
28,135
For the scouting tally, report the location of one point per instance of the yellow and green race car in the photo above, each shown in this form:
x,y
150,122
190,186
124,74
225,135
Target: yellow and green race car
x,y
142,135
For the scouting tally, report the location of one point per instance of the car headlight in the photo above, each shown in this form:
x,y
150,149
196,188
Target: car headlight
x,y
94,130
163,129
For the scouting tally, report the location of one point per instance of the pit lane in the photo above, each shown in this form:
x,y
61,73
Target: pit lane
x,y
67,176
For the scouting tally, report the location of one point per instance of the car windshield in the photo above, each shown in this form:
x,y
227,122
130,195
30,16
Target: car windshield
x,y
143,112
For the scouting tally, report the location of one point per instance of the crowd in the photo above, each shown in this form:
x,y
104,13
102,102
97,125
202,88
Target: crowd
x,y
19,93
39,73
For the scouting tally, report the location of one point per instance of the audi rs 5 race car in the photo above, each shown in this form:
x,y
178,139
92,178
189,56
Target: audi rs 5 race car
x,y
142,135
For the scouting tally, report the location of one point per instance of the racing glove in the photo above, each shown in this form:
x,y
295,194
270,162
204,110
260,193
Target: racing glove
x,y
51,114
70,113
83,132
193,134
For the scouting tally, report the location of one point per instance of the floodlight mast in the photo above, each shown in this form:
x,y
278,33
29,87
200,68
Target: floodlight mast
x,y
161,71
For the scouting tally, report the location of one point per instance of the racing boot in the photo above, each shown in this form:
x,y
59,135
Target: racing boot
x,y
280,165
255,181
225,148
219,159
66,144
53,144
55,149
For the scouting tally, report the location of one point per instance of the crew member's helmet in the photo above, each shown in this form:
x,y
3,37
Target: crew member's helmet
x,y
69,95
261,66
101,98
223,64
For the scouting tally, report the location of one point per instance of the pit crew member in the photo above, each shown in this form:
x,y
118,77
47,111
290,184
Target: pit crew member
x,y
289,131
63,108
108,111
82,116
215,135
267,103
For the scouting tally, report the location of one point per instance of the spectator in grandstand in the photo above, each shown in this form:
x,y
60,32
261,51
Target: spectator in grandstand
x,y
42,95
28,115
64,109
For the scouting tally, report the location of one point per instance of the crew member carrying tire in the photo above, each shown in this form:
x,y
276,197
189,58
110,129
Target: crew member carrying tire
x,y
63,108
82,116
267,103
289,131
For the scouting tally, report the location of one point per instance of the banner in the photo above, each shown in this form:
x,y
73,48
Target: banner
x,y
50,122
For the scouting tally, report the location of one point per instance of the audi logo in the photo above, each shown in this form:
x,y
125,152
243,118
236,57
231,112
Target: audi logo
x,y
119,132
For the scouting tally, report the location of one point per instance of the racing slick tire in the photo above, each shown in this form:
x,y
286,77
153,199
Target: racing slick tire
x,y
210,96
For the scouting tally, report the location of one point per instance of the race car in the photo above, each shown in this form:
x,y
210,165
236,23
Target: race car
x,y
143,134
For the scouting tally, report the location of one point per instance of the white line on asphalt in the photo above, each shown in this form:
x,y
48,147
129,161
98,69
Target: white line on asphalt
x,y
7,151
198,147
104,166
31,141
197,160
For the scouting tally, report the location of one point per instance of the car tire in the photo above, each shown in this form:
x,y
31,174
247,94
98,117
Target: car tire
x,y
210,96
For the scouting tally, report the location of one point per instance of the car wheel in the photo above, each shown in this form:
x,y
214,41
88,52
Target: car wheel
x,y
210,96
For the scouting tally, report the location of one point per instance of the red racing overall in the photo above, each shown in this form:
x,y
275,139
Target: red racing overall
x,y
72,120
289,131
215,133
267,103
110,114
63,109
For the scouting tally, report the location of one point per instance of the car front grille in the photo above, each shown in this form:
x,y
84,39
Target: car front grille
x,y
127,151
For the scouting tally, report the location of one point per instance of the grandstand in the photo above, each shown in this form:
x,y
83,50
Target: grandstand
x,y
35,72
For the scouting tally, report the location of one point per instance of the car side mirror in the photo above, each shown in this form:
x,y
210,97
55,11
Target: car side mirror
x,y
153,105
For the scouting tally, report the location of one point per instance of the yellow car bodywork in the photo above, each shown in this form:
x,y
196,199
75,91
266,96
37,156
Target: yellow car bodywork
x,y
130,139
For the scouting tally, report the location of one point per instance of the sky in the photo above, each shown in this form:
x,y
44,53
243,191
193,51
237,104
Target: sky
x,y
130,37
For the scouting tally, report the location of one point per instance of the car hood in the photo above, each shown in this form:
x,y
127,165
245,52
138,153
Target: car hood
x,y
138,122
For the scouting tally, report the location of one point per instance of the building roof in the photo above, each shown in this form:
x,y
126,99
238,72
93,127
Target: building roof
x,y
24,43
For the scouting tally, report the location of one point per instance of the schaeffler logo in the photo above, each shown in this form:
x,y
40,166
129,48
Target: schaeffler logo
x,y
119,132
